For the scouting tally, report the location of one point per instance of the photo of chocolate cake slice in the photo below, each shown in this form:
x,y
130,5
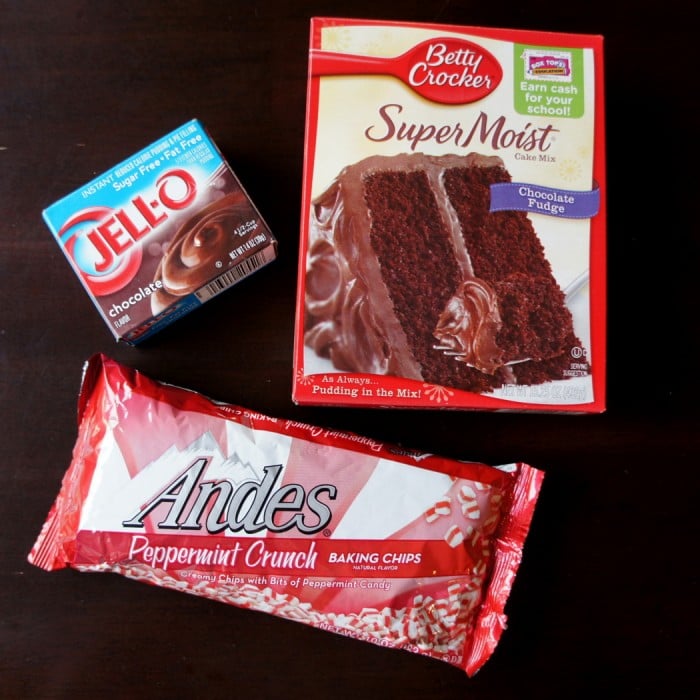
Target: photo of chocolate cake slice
x,y
409,274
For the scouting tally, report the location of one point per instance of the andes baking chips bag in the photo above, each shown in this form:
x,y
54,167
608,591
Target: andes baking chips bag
x,y
401,549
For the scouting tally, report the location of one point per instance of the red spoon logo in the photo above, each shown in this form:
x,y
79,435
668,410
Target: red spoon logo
x,y
447,70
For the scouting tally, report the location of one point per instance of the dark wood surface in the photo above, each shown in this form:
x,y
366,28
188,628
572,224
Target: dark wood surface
x,y
606,599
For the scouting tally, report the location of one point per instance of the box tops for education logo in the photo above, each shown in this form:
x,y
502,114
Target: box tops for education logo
x,y
547,64
549,82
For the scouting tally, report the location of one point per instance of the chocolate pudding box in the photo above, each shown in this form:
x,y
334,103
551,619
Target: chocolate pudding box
x,y
452,250
161,233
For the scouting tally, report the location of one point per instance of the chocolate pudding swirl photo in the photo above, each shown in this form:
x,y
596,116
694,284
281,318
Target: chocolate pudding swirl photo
x,y
201,248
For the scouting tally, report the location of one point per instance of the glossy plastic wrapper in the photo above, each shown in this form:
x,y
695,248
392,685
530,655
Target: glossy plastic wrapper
x,y
398,548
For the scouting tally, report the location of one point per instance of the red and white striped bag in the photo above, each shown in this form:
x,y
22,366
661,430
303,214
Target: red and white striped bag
x,y
341,532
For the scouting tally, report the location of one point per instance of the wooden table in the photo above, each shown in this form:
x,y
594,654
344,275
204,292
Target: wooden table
x,y
606,598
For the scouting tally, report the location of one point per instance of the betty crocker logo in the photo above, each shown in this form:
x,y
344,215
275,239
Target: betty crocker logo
x,y
447,70
101,241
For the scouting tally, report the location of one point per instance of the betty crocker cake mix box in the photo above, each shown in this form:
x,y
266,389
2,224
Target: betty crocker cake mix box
x,y
452,250
161,233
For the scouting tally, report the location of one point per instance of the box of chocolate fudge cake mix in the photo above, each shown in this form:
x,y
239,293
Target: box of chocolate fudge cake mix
x,y
452,250
161,233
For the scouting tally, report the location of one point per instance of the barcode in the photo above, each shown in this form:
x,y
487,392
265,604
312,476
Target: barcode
x,y
230,277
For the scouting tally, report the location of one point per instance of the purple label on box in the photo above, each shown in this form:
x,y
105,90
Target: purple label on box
x,y
536,199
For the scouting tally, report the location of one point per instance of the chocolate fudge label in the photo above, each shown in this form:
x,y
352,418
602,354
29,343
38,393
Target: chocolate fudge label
x,y
161,233
520,196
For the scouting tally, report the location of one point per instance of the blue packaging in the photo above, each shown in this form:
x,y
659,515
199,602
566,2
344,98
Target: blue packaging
x,y
161,233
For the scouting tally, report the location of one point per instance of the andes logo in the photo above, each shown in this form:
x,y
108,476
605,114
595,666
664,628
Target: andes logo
x,y
101,241
191,504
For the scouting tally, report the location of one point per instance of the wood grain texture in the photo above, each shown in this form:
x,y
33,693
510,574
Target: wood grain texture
x,y
606,598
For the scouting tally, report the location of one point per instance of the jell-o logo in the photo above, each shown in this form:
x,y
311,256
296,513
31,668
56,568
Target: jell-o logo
x,y
101,241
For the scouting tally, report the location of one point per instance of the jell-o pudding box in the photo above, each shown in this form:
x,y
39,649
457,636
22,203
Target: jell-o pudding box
x,y
161,233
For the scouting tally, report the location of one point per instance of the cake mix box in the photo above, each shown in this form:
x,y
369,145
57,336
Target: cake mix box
x,y
161,233
452,249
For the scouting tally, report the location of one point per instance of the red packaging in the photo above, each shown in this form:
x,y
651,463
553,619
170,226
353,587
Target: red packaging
x,y
341,532
452,250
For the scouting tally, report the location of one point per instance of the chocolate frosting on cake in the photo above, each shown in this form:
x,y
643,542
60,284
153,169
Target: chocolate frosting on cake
x,y
468,327
349,313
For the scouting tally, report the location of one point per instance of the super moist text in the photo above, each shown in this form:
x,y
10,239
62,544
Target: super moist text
x,y
495,132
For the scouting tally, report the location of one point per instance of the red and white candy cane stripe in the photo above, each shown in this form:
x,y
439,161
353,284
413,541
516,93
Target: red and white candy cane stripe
x,y
430,624
440,606
441,507
454,536
469,502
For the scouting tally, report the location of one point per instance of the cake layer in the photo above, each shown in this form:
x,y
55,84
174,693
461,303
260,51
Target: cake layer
x,y
410,274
